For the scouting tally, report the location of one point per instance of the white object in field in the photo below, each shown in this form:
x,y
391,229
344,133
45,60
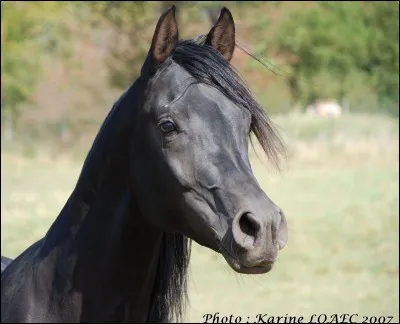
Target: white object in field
x,y
328,108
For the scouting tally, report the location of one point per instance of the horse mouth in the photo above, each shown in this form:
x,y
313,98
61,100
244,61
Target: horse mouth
x,y
237,266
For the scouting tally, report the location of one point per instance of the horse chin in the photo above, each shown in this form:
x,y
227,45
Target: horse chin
x,y
240,268
233,262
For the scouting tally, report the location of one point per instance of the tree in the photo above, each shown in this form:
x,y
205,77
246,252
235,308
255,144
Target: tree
x,y
382,62
333,40
26,29
129,22
19,68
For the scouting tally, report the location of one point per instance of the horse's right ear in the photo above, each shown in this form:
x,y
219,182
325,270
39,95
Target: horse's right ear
x,y
165,38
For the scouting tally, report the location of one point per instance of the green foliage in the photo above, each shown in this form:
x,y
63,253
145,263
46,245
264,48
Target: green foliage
x,y
89,49
19,66
28,31
382,63
335,40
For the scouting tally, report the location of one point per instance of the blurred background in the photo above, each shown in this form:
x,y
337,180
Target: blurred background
x,y
331,86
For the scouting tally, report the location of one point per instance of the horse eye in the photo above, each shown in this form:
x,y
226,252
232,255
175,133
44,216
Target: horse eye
x,y
167,127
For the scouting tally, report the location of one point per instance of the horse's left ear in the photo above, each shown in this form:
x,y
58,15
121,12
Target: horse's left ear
x,y
222,35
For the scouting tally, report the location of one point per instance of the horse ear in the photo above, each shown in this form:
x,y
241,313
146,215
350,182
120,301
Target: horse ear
x,y
165,37
222,35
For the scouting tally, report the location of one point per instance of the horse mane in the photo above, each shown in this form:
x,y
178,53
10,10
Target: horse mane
x,y
169,297
208,66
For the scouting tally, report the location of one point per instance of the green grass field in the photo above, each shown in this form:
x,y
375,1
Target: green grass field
x,y
339,190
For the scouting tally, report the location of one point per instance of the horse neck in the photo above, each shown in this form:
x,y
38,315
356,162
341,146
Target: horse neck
x,y
103,253
109,258
100,246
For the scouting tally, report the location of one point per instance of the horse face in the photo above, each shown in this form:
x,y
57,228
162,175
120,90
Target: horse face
x,y
191,151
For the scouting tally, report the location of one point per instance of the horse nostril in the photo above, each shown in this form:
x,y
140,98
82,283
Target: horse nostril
x,y
247,225
245,230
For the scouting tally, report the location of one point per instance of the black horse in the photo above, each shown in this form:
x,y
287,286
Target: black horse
x,y
169,164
